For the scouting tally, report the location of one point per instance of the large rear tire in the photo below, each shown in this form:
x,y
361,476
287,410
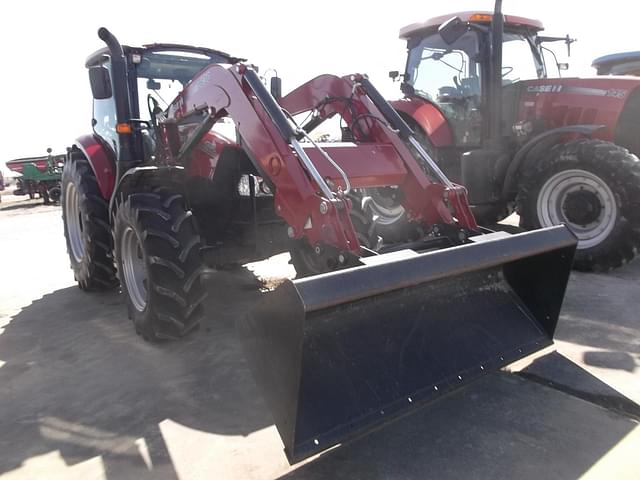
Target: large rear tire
x,y
593,187
159,264
85,215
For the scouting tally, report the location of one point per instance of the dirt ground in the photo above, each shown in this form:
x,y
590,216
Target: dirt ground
x,y
81,396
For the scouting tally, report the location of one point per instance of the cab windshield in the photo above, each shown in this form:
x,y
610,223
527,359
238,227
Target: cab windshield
x,y
161,75
450,76
441,72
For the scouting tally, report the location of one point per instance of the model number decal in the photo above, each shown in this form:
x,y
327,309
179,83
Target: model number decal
x,y
616,92
544,88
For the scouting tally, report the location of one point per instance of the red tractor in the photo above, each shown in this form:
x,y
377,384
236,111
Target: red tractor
x,y
155,193
555,150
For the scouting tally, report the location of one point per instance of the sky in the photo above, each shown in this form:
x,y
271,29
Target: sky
x,y
43,45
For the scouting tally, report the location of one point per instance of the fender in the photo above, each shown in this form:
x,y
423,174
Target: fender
x,y
101,161
533,148
138,176
429,118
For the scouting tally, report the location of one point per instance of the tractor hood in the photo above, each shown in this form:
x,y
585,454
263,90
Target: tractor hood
x,y
608,87
613,102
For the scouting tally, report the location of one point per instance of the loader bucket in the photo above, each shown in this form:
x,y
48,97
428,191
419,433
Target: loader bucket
x,y
340,353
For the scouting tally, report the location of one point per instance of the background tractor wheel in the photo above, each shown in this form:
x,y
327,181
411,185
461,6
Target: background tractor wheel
x,y
159,264
593,187
489,215
44,194
85,216
54,192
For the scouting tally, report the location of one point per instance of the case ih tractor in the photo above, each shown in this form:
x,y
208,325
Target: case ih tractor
x,y
559,150
155,193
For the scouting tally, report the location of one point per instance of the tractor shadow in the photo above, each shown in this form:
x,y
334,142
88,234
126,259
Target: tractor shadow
x,y
499,427
601,311
76,379
23,205
616,360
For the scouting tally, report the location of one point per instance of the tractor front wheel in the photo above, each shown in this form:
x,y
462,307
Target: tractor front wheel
x,y
157,252
593,187
85,215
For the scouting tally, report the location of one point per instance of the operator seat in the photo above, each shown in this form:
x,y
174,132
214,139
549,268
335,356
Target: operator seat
x,y
449,94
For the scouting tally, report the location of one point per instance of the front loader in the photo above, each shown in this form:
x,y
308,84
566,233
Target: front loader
x,y
372,326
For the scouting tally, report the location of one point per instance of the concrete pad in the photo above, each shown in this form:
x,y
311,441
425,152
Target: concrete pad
x,y
81,396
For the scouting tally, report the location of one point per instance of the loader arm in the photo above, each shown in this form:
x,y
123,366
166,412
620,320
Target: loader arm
x,y
378,122
302,176
268,138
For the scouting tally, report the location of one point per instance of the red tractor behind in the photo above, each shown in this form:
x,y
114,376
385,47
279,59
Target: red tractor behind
x,y
559,150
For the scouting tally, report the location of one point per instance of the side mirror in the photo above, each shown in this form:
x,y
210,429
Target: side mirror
x,y
153,85
100,82
276,87
393,74
452,30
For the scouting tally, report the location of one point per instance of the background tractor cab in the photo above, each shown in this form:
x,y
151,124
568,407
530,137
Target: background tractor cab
x,y
626,63
477,90
449,64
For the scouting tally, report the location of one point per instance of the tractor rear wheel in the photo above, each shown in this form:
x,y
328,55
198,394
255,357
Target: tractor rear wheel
x,y
85,215
157,251
593,187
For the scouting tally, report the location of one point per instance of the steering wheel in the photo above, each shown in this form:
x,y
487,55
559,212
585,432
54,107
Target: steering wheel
x,y
154,108
508,70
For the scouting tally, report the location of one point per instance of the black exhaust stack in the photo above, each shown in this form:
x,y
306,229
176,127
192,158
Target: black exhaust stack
x,y
121,97
479,172
495,82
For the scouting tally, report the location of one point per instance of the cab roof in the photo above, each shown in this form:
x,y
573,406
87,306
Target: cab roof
x,y
473,16
214,55
617,63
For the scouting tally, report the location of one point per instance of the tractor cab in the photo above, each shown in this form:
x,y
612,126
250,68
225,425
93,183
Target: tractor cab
x,y
131,92
484,94
453,69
